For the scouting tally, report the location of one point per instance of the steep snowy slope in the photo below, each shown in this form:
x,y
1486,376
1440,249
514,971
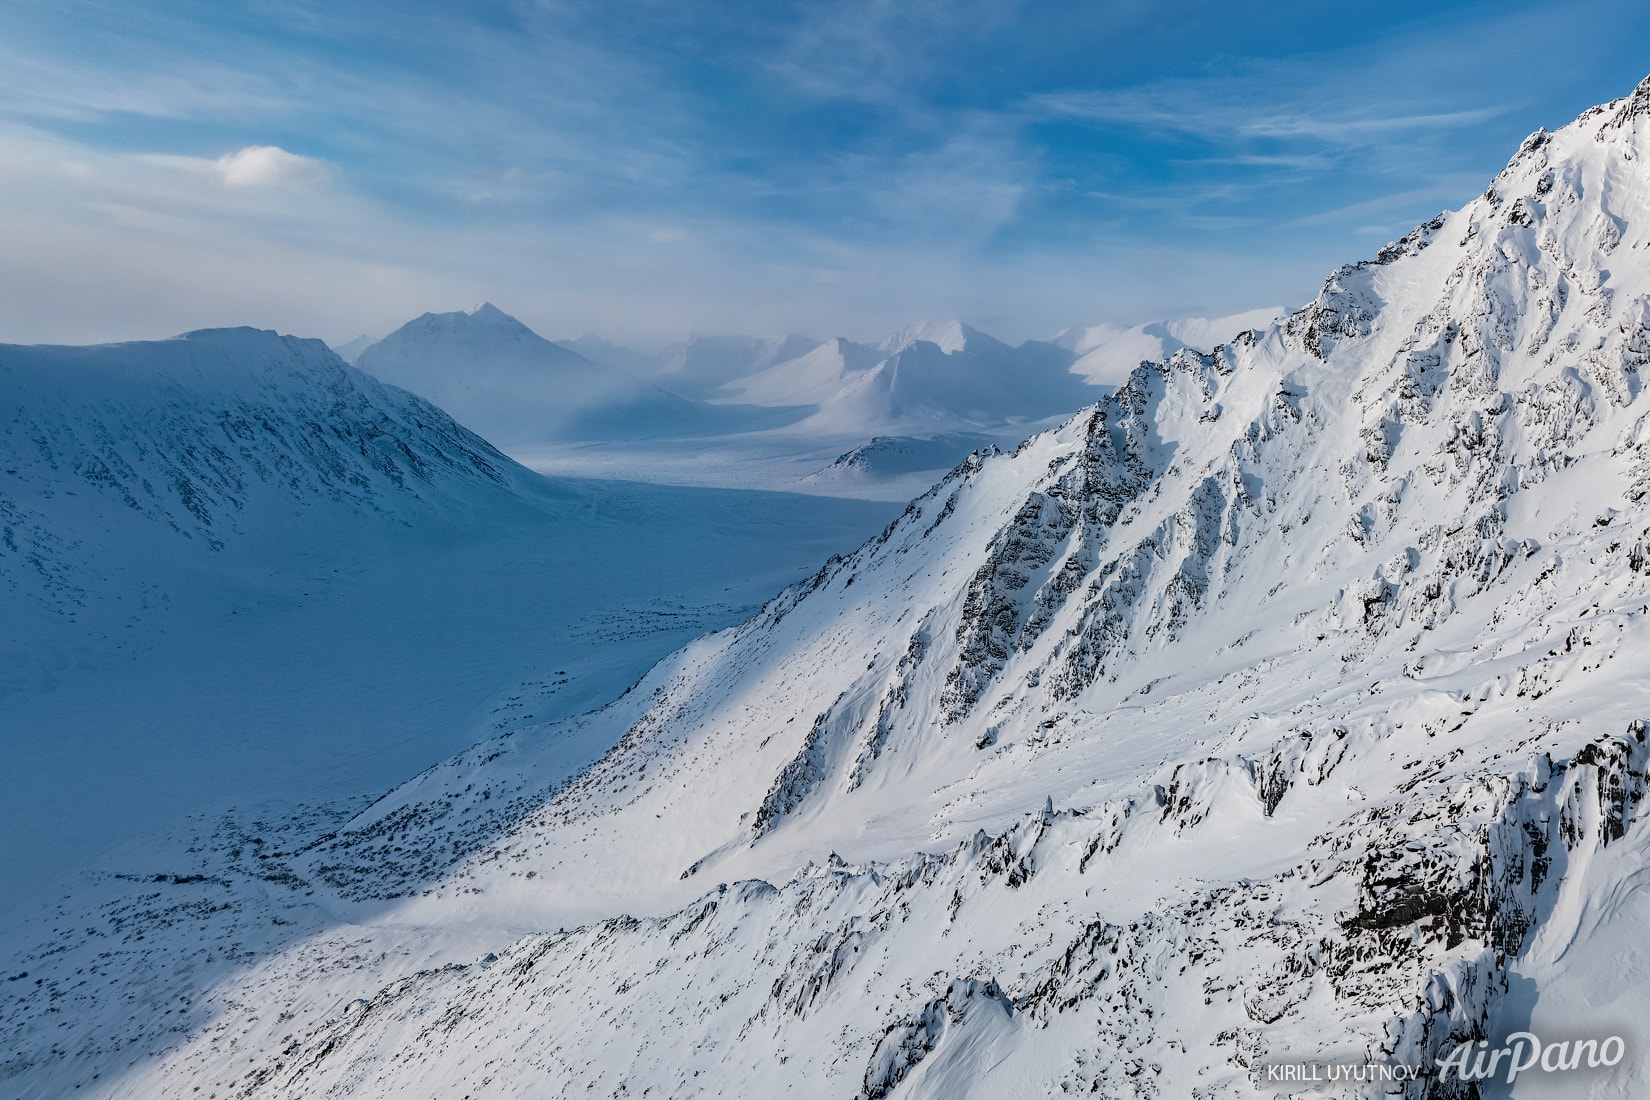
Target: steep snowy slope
x,y
1287,705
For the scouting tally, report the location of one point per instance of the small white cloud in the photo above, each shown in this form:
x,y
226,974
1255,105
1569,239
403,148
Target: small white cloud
x,y
270,165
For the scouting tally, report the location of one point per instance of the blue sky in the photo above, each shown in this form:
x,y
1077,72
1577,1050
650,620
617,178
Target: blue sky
x,y
645,168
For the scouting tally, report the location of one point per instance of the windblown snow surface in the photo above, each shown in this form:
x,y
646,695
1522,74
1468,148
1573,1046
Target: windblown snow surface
x,y
1288,704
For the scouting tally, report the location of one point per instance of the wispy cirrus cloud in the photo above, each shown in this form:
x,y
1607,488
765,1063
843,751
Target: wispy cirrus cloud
x,y
1206,110
644,167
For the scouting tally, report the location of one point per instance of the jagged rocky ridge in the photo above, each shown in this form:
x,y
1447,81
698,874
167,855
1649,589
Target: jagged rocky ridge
x,y
1286,704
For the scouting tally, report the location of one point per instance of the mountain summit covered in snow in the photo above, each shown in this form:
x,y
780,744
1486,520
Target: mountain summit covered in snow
x,y
1286,705
493,372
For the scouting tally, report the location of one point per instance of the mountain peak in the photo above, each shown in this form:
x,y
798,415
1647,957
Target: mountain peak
x,y
1636,105
949,336
484,321
489,315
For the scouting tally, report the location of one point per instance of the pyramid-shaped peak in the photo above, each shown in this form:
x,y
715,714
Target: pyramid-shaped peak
x,y
484,319
949,336
486,313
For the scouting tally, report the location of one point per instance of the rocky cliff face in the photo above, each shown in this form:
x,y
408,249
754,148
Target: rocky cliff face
x,y
1285,705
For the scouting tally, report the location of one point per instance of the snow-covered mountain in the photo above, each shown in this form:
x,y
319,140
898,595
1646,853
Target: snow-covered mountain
x,y
742,410
1108,353
350,350
191,443
701,365
235,570
607,353
931,395
1287,705
514,386
938,378
178,519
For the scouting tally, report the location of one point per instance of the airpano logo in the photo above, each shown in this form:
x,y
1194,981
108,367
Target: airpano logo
x,y
1523,1051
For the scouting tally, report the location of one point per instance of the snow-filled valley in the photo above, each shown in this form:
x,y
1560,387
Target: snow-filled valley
x,y
1285,705
233,564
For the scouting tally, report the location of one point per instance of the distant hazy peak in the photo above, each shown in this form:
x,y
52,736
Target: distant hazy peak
x,y
483,333
350,350
482,317
950,336
1196,332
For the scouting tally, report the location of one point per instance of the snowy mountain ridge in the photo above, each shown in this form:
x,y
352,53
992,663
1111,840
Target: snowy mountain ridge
x,y
1108,353
203,437
1280,706
931,378
924,383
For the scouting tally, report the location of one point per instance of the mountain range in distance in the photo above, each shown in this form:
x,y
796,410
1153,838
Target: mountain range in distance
x,y
783,412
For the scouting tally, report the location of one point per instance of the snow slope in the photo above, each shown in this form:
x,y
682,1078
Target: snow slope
x,y
1286,704
701,365
235,570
